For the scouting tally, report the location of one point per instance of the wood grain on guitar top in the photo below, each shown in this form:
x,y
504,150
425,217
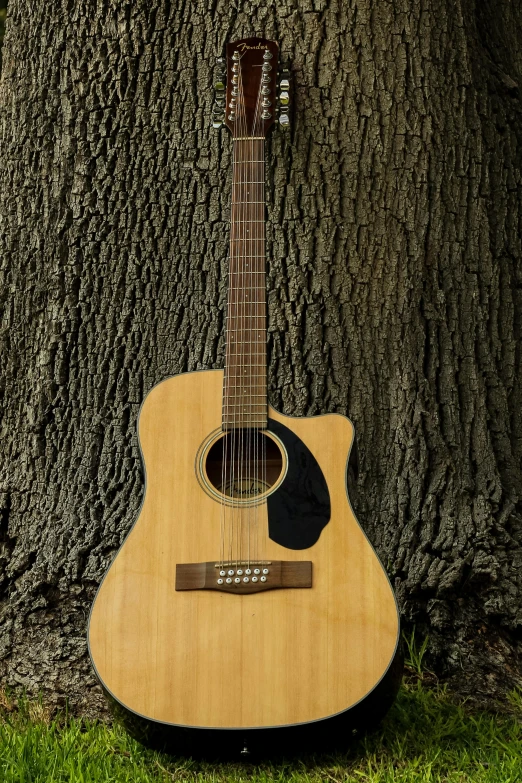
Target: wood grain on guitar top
x,y
209,659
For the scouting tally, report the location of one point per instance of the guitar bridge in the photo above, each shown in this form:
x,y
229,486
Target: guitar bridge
x,y
244,577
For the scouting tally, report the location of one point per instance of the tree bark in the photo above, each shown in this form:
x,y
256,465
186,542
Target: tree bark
x,y
395,293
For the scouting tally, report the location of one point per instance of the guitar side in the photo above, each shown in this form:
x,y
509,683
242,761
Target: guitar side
x,y
204,671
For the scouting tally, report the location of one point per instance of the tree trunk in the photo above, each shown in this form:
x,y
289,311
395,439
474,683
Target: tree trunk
x,y
395,293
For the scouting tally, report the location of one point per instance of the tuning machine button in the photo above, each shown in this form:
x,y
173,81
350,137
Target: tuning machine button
x,y
266,115
267,67
218,110
284,98
284,79
265,103
235,56
267,55
265,90
266,79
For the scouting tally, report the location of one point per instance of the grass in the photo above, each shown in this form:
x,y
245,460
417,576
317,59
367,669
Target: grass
x,y
426,737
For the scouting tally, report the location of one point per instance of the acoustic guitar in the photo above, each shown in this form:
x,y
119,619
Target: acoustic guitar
x,y
246,611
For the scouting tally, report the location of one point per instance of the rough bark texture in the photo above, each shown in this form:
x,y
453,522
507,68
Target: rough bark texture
x,y
395,292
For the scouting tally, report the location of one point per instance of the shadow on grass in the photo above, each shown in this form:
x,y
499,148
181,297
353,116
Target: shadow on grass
x,y
425,737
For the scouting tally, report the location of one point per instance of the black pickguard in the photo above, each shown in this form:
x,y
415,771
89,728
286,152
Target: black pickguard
x,y
300,508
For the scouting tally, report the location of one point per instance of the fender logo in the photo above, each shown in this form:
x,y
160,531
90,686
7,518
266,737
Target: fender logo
x,y
244,46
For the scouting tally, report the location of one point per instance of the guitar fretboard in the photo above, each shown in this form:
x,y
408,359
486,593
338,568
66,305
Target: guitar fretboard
x,y
244,391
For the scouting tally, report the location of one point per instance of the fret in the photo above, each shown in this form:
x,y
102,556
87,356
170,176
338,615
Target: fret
x,y
253,424
240,404
255,395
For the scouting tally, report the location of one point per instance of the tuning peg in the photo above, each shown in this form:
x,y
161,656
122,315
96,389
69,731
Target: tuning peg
x,y
218,111
284,79
284,98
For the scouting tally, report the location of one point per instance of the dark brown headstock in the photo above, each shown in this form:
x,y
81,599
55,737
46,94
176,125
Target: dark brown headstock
x,y
251,68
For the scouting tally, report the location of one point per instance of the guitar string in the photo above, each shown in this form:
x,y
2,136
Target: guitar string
x,y
261,298
240,457
254,336
233,295
227,486
241,307
226,395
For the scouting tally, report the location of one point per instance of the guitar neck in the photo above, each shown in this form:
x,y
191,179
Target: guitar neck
x,y
245,385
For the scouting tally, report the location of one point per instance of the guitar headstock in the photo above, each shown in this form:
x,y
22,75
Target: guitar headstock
x,y
247,83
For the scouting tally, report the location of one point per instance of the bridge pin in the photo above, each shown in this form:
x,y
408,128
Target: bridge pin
x,y
228,580
222,573
254,578
220,581
239,571
248,571
231,572
257,571
237,580
263,578
265,570
246,579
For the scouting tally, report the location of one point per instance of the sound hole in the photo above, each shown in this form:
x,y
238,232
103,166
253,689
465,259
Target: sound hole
x,y
244,464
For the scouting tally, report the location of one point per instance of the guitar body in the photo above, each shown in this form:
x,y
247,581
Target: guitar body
x,y
206,671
